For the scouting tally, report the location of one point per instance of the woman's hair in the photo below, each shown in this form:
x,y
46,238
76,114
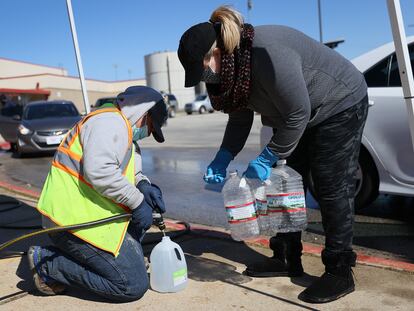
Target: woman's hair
x,y
231,26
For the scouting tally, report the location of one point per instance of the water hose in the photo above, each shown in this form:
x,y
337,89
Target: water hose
x,y
157,221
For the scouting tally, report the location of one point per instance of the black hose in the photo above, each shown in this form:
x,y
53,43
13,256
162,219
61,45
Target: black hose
x,y
79,226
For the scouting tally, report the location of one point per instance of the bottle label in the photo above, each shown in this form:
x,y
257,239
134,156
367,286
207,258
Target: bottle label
x,y
180,276
241,213
286,202
261,206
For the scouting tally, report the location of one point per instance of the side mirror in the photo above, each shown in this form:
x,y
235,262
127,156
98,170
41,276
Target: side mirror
x,y
16,117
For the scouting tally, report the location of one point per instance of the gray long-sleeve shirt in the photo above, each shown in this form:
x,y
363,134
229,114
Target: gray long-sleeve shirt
x,y
296,83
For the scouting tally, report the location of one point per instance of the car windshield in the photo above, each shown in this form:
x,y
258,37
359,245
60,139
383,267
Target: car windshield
x,y
46,110
201,97
105,101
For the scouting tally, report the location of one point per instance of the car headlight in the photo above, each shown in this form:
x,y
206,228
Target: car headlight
x,y
24,130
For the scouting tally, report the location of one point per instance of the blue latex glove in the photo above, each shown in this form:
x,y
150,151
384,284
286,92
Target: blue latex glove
x,y
261,167
142,217
216,171
153,195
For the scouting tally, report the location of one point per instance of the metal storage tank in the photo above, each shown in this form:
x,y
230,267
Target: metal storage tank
x,y
164,72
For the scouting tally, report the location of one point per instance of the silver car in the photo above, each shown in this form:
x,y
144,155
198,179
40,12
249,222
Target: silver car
x,y
201,105
43,125
386,160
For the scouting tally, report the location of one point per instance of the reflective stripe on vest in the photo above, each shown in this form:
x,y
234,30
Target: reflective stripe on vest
x,y
68,198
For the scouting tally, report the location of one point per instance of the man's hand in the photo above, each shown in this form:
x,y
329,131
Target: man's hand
x,y
216,171
142,217
261,167
152,195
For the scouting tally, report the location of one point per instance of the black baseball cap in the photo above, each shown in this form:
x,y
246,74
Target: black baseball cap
x,y
159,116
194,45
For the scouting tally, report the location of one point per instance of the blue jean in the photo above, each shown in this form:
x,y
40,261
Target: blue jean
x,y
74,262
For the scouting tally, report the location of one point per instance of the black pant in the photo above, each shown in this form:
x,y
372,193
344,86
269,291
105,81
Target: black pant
x,y
330,152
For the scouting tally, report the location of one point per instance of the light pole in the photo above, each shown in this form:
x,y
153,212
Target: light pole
x,y
116,71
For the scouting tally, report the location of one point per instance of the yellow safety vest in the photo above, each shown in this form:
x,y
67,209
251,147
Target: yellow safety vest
x,y
67,198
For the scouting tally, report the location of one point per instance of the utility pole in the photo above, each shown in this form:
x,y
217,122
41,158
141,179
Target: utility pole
x,y
249,8
320,21
78,56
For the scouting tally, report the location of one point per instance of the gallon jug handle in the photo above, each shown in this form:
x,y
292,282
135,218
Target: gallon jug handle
x,y
177,253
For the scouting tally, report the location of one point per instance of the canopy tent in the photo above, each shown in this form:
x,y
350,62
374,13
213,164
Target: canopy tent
x,y
400,42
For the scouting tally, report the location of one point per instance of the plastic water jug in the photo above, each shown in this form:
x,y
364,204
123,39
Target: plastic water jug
x,y
259,190
286,200
168,267
240,207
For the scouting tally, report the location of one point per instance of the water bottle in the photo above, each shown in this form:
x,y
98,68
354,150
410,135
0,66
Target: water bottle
x,y
294,206
259,190
274,197
168,267
240,208
286,200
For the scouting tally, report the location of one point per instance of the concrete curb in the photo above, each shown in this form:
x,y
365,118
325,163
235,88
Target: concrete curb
x,y
4,145
262,241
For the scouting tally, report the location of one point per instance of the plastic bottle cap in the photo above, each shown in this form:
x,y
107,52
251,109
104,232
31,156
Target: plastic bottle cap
x,y
233,173
243,182
281,162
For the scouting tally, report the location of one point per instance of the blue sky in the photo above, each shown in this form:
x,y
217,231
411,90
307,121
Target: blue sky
x,y
120,32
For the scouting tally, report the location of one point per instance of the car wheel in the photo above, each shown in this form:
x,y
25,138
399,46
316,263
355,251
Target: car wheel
x,y
13,147
202,110
171,113
18,152
189,112
367,182
210,111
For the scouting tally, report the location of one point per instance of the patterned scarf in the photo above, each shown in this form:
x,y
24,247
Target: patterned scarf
x,y
233,92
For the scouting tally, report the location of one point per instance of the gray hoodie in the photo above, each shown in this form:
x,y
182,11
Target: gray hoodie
x,y
104,138
296,83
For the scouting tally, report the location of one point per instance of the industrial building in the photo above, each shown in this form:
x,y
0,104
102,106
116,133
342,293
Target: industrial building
x,y
22,82
164,72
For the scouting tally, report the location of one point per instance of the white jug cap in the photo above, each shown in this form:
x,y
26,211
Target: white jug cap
x,y
281,162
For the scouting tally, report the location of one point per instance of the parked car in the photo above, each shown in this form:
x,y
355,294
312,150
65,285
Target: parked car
x,y
172,104
201,105
104,101
10,117
386,160
41,127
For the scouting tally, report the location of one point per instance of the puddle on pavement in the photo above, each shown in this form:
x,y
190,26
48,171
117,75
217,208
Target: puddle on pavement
x,y
207,270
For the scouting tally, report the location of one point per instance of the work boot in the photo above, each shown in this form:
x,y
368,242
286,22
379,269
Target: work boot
x,y
286,259
49,287
336,282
